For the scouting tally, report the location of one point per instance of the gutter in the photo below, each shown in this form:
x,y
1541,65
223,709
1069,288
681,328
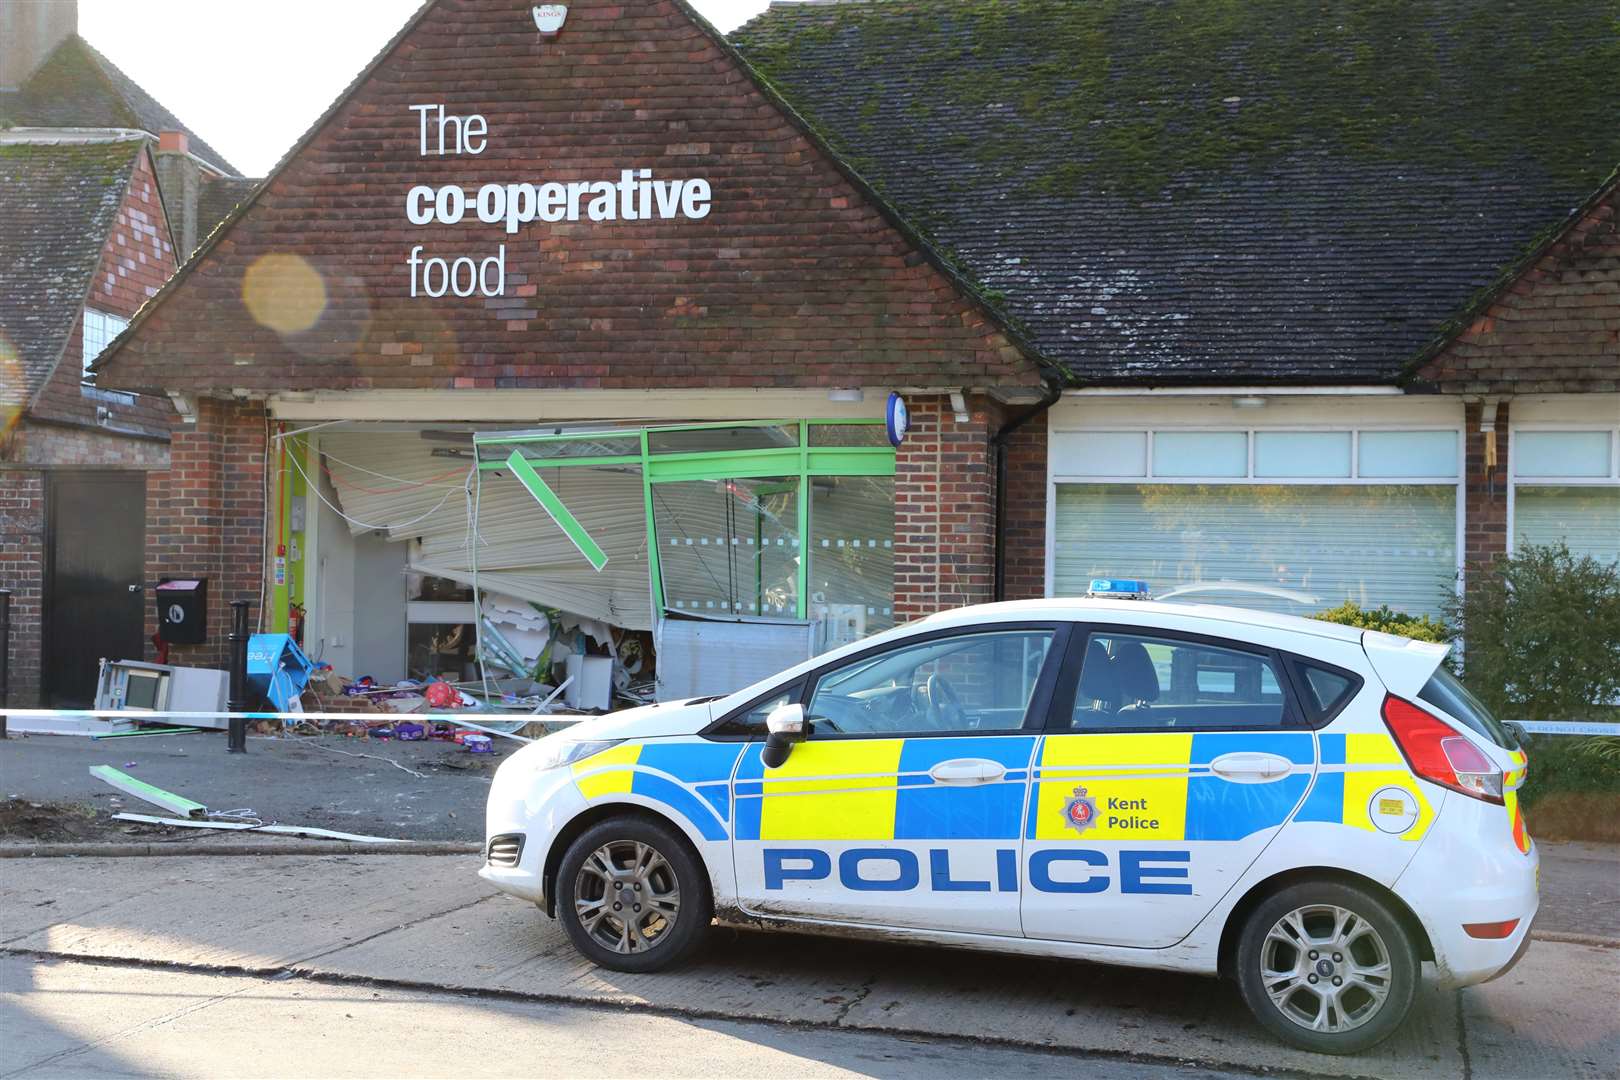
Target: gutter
x,y
998,447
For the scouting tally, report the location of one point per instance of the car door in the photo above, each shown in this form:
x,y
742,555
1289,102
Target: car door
x,y
1169,763
904,804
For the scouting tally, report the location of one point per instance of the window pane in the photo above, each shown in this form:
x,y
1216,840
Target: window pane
x,y
1099,453
1201,453
851,556
752,721
1561,453
1325,543
1408,453
1302,453
1328,688
849,435
974,682
563,449
1128,681
694,440
729,547
1585,518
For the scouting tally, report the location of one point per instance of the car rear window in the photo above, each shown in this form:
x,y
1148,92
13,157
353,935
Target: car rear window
x,y
1445,692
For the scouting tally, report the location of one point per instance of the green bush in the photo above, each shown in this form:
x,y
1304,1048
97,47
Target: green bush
x,y
1560,763
1386,620
1542,633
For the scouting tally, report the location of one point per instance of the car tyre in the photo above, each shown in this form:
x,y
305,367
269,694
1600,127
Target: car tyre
x,y
1328,967
633,895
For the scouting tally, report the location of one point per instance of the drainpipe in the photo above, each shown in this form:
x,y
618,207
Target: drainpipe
x,y
998,447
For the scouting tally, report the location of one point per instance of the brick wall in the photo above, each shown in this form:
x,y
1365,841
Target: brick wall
x,y
205,517
61,444
22,564
1485,492
1025,552
944,518
792,278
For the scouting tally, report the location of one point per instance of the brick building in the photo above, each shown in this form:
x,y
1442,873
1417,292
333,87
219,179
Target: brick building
x,y
1142,327
91,171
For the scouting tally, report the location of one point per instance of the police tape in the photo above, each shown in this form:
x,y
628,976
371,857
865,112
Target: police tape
x,y
1568,727
456,719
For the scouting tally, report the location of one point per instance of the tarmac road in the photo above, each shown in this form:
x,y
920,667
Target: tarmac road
x,y
426,924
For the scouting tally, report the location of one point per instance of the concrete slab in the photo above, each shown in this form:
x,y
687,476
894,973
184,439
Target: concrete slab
x,y
248,912
1553,1015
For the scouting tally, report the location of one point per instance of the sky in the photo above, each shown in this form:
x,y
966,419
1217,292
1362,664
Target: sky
x,y
250,77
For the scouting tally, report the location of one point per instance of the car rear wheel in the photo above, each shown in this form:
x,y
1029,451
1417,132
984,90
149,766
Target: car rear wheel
x,y
1328,967
632,895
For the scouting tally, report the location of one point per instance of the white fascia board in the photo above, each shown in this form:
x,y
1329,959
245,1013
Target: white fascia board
x,y
531,408
1209,412
1235,391
1599,409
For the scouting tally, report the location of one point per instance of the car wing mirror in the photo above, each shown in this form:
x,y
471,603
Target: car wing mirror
x,y
784,726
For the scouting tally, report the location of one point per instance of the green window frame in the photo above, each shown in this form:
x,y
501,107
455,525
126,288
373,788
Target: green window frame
x,y
802,461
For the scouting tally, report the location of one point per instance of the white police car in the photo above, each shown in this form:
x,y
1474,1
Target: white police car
x,y
1309,809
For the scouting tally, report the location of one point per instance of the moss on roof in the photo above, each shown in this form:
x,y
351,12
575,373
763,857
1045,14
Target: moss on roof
x,y
1130,95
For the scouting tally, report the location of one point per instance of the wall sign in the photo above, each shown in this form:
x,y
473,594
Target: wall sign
x,y
548,18
897,418
637,195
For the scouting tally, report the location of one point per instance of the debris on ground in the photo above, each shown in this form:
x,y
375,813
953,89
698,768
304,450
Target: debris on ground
x,y
26,821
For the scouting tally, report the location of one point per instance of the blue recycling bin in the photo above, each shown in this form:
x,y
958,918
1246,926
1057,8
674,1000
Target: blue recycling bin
x,y
277,670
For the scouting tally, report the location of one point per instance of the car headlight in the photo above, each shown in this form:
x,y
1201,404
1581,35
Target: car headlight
x,y
568,751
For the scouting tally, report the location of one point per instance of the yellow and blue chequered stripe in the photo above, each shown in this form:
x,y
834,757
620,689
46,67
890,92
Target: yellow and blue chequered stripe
x,y
1158,785
691,778
1353,769
880,789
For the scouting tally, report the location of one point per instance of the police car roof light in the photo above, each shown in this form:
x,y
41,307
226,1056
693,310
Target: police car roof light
x,y
1118,589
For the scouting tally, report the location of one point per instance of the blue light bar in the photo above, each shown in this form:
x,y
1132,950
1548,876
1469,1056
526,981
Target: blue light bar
x,y
1118,589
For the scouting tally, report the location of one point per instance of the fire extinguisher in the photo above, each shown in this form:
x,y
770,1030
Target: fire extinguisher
x,y
295,623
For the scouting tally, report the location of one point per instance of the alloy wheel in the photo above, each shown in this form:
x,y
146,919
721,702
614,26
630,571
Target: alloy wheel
x,y
626,896
1325,968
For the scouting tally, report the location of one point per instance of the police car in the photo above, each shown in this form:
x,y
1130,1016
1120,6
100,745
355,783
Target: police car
x,y
1309,809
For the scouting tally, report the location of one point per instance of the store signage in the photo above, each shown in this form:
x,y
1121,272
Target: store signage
x,y
635,196
897,418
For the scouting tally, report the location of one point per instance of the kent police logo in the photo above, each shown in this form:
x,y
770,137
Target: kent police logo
x,y
1080,812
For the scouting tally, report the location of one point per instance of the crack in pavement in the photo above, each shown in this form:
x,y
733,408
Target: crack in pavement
x,y
293,964
848,1006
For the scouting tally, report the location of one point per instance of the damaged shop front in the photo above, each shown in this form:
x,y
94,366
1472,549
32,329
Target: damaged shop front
x,y
620,562
571,357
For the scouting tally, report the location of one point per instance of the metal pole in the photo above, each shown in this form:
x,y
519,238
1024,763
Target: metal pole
x,y
236,736
5,655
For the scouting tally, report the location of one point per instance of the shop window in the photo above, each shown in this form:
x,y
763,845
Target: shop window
x,y
1567,490
1312,546
719,440
851,582
99,330
1200,453
1302,453
848,435
1401,454
729,547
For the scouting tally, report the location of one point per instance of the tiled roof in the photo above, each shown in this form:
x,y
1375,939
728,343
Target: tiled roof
x,y
79,87
58,201
218,197
1180,191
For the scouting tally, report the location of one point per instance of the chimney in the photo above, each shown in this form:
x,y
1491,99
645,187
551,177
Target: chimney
x,y
29,32
180,181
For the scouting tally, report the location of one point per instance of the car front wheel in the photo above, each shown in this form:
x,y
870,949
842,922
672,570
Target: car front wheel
x,y
632,895
1327,967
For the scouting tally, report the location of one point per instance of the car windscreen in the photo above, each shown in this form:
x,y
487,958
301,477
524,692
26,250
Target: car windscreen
x,y
1445,692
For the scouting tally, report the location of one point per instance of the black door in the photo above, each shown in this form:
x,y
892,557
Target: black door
x,y
95,553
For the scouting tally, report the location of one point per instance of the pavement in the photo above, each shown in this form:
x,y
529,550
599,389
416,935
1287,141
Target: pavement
x,y
426,925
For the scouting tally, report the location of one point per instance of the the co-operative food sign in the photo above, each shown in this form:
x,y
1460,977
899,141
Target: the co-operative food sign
x,y
635,196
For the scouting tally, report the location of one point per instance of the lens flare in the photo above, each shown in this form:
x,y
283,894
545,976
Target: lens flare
x,y
284,293
13,387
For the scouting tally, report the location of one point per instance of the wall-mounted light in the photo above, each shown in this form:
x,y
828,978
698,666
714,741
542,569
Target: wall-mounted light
x,y
1248,403
846,393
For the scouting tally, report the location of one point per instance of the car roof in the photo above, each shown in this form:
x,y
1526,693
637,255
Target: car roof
x,y
1083,609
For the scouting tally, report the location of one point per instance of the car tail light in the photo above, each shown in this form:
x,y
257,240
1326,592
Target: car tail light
x,y
1491,931
1436,752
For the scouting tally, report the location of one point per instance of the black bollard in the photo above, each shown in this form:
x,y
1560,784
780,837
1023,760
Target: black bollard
x,y
5,656
236,736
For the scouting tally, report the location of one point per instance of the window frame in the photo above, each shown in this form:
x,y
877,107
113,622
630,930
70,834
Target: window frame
x,y
1317,719
1060,714
1515,481
84,337
1035,713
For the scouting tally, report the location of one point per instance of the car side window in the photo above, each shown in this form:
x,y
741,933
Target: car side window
x,y
963,683
1140,682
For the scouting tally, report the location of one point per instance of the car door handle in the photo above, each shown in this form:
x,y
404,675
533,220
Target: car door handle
x,y
1247,767
968,771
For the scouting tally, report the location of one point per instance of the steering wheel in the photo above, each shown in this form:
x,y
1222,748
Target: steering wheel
x,y
942,696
